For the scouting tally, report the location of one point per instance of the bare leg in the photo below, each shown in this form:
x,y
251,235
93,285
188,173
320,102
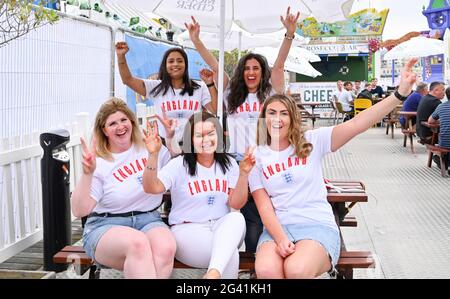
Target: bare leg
x,y
268,263
309,260
126,249
163,247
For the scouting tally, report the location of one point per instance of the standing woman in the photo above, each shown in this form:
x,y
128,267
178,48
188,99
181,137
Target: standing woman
x,y
124,230
173,92
252,82
204,183
301,238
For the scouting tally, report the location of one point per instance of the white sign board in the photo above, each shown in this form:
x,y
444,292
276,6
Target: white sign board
x,y
313,92
338,48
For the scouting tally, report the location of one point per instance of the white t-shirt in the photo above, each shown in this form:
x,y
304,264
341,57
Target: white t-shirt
x,y
177,106
201,197
117,185
296,186
346,98
242,124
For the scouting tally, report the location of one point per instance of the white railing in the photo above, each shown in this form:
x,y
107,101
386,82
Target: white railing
x,y
21,189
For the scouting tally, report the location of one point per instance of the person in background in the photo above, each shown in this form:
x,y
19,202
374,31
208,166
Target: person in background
x,y
357,88
376,89
426,107
365,93
173,92
442,115
124,230
346,99
412,102
339,89
252,82
204,183
301,238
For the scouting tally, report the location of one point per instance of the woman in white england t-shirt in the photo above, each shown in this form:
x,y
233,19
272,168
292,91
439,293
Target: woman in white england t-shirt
x,y
173,92
252,82
124,230
204,183
301,238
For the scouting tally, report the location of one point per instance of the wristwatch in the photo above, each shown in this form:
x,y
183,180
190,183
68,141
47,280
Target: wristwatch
x,y
399,96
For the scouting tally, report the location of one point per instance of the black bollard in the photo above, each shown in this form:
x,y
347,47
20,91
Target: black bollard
x,y
55,176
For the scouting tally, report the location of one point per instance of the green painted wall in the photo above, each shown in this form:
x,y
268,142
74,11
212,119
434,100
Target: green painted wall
x,y
357,69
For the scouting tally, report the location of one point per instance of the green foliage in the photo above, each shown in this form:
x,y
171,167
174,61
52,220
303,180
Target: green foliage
x,y
231,60
20,16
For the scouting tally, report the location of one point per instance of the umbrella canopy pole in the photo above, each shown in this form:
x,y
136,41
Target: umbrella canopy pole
x,y
240,45
221,61
393,72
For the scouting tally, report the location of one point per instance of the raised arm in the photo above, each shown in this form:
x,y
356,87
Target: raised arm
x,y
208,77
269,219
277,76
150,180
82,203
346,131
135,84
238,196
169,125
194,34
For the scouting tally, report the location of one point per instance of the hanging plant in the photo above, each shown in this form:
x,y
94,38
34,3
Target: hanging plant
x,y
374,45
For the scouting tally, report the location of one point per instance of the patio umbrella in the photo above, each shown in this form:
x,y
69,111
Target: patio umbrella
x,y
236,38
240,39
255,16
297,60
419,46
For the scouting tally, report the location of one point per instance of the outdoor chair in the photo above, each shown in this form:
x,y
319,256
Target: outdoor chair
x,y
341,113
361,104
335,112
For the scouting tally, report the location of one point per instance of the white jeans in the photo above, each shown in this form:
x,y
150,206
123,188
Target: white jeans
x,y
213,244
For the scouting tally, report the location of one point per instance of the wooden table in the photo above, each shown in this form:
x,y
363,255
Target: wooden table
x,y
408,131
313,106
434,138
392,118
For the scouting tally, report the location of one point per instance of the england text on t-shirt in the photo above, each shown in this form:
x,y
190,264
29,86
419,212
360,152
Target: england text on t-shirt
x,y
177,106
295,185
201,197
117,185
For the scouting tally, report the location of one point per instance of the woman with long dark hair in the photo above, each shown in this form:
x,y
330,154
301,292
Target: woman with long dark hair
x,y
204,183
173,92
252,82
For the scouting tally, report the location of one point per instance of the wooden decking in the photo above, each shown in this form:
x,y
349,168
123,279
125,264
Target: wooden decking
x,y
31,259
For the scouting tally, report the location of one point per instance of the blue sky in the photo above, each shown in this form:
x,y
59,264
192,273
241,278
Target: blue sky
x,y
404,15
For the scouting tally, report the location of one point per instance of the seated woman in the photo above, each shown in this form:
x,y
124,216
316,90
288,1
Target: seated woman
x,y
205,183
301,238
124,230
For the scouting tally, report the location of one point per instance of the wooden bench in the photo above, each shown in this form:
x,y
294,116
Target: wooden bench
x,y
348,260
338,197
392,119
440,151
408,131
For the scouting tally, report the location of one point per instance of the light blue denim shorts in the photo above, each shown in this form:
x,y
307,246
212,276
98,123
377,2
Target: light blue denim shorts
x,y
96,226
326,236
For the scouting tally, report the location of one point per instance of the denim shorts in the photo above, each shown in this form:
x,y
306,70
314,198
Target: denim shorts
x,y
96,226
326,236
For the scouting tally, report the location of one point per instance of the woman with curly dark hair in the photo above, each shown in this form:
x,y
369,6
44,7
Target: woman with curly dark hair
x,y
252,82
